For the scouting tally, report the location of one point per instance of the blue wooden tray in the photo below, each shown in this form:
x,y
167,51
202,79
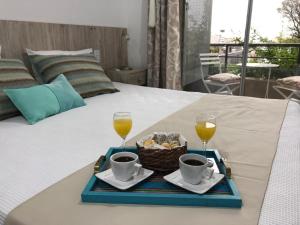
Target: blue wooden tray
x,y
156,191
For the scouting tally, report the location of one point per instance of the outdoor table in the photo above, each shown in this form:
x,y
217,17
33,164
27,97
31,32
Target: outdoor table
x,y
266,66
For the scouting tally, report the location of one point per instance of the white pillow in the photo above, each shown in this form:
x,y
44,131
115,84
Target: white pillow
x,y
59,52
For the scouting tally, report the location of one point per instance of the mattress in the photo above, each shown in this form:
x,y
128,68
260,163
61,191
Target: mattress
x,y
35,157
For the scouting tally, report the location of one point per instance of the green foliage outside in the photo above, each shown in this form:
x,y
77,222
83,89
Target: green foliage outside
x,y
285,57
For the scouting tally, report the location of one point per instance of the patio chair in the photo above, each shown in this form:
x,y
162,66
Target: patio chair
x,y
223,83
289,88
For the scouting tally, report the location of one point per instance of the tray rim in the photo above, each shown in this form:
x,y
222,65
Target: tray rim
x,y
232,201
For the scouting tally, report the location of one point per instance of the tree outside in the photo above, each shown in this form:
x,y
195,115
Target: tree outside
x,y
290,9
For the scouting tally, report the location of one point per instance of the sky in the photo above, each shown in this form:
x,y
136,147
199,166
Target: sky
x,y
230,15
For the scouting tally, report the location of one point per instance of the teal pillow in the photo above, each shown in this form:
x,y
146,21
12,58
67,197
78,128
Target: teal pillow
x,y
39,102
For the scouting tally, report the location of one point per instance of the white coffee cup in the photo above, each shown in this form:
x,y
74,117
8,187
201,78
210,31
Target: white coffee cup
x,y
195,173
123,169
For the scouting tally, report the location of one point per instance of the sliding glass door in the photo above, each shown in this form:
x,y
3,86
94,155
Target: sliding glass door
x,y
221,27
208,26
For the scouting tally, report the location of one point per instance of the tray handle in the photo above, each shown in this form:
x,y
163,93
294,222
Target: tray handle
x,y
225,162
98,164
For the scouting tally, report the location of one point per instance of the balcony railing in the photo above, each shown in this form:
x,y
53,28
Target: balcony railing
x,y
227,54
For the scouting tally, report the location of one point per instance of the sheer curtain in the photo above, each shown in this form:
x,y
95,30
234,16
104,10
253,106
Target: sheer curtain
x,y
164,44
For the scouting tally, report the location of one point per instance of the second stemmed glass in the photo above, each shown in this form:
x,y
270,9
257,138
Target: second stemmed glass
x,y
205,126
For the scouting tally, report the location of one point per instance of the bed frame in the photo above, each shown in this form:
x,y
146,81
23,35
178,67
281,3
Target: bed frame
x,y
15,36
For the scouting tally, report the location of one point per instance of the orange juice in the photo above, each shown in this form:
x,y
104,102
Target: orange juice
x,y
205,130
123,127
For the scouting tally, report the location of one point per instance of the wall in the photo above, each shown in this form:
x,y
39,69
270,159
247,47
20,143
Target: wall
x,y
113,13
137,19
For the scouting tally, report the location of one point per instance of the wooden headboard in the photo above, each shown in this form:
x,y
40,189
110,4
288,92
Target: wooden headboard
x,y
15,36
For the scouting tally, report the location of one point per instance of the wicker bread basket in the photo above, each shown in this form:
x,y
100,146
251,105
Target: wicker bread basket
x,y
159,159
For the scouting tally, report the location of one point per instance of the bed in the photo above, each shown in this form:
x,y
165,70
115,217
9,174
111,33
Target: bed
x,y
29,165
34,158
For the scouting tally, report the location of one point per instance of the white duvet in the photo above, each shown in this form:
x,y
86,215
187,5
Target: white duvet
x,y
33,158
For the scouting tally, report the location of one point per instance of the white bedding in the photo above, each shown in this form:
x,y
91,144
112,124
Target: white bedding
x,y
282,199
34,157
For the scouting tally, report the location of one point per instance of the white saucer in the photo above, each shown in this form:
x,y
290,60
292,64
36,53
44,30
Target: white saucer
x,y
108,177
206,184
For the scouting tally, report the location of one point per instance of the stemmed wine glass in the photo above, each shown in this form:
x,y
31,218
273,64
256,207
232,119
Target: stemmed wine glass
x,y
205,126
122,124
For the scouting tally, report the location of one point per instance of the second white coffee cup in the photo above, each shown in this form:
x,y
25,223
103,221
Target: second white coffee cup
x,y
124,165
194,168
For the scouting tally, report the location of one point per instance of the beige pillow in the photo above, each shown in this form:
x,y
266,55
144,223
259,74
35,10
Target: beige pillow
x,y
293,82
0,51
225,78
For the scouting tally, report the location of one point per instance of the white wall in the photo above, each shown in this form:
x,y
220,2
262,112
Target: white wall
x,y
131,14
137,18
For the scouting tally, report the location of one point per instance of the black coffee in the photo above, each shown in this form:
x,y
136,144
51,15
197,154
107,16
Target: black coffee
x,y
124,159
193,162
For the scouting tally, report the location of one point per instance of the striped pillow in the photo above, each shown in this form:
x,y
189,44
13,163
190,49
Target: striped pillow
x,y
13,74
83,72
